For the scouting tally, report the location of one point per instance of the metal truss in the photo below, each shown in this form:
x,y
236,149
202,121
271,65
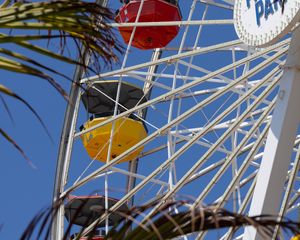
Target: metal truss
x,y
209,113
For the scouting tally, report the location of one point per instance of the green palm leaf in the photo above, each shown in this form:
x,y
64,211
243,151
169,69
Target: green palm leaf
x,y
165,223
30,61
7,109
10,93
18,67
83,22
9,139
22,41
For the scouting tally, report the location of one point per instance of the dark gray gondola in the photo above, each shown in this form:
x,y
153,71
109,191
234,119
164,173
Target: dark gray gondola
x,y
83,211
100,105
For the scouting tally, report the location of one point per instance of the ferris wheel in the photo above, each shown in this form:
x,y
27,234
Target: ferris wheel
x,y
188,114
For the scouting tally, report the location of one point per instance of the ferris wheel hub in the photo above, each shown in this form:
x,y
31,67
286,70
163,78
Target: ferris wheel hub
x,y
262,23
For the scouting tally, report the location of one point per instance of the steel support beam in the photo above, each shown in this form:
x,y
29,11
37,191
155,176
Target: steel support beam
x,y
64,153
173,23
66,144
279,146
133,165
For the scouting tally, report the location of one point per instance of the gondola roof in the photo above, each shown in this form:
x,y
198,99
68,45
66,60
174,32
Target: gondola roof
x,y
97,103
84,210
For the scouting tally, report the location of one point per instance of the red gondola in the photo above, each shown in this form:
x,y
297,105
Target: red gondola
x,y
93,238
152,11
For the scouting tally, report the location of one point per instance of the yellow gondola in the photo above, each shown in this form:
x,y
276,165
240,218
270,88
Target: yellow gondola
x,y
127,133
297,237
127,130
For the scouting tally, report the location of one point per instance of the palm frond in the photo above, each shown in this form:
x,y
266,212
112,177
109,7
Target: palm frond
x,y
23,58
166,224
9,139
169,225
85,22
10,93
18,67
5,4
22,41
7,109
82,22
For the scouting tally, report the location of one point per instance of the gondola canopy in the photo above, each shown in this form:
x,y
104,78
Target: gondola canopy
x,y
84,210
99,99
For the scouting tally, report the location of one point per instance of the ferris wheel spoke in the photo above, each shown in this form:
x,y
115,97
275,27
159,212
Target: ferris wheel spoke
x,y
207,112
137,76
123,107
238,48
167,60
245,203
173,23
147,88
203,70
211,150
294,199
202,143
246,163
206,144
119,170
176,131
214,3
289,188
140,185
230,2
212,168
224,125
184,87
231,158
186,114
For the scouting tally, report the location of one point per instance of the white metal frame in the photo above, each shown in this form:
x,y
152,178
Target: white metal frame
x,y
245,122
277,156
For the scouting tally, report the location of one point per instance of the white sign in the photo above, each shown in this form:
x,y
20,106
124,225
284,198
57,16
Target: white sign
x,y
263,22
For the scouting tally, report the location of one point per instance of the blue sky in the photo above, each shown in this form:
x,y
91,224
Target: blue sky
x,y
25,190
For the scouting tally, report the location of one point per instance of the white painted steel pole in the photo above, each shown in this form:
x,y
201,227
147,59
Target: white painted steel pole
x,y
66,143
147,89
277,155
